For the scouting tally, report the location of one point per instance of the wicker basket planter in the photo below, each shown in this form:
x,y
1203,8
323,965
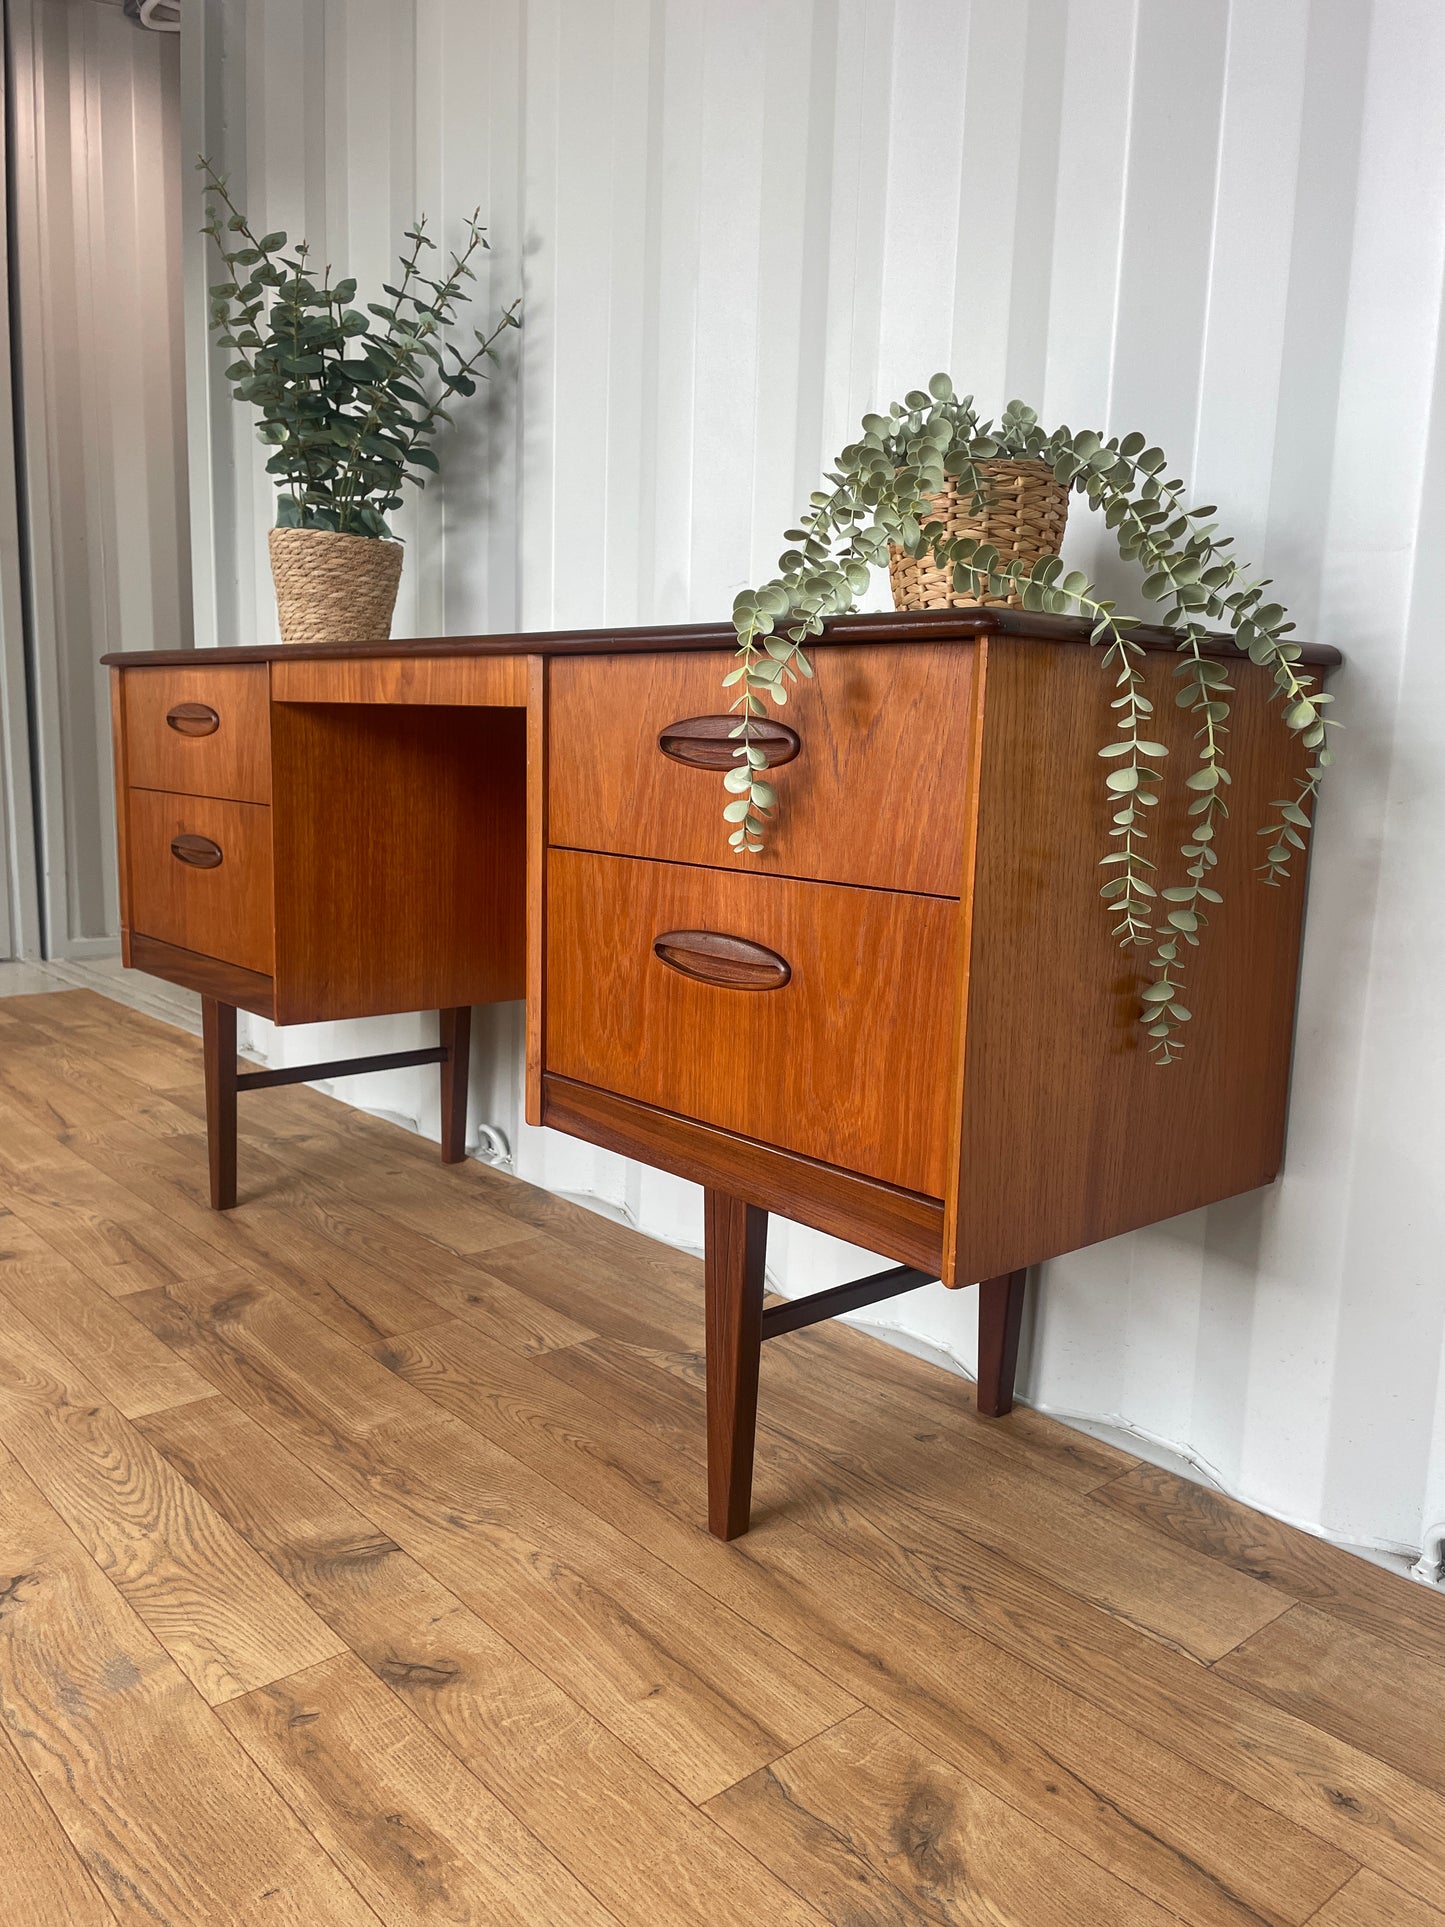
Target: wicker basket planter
x,y
1025,519
334,588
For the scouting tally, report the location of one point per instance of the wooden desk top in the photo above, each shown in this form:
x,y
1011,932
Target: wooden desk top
x,y
931,625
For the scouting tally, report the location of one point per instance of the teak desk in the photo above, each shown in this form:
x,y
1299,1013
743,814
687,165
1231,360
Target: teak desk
x,y
906,1024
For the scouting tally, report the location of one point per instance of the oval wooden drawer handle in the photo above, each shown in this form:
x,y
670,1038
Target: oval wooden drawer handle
x,y
730,962
199,851
707,742
193,719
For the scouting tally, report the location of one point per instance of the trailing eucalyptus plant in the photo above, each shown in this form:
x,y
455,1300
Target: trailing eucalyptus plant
x,y
880,493
342,393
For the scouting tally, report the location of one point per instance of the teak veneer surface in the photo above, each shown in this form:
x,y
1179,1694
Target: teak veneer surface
x,y
888,627
231,760
400,857
849,1062
224,912
876,794
956,1672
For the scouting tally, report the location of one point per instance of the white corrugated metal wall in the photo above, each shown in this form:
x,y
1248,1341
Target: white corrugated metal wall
x,y
95,232
739,224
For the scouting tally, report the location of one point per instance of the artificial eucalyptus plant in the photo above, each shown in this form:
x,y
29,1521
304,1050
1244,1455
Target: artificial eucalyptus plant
x,y
342,393
880,493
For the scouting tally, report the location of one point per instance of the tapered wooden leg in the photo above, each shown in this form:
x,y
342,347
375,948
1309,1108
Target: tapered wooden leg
x,y
1000,1315
218,1040
736,1246
456,1037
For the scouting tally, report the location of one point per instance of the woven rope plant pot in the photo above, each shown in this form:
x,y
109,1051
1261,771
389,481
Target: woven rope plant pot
x,y
334,588
1024,521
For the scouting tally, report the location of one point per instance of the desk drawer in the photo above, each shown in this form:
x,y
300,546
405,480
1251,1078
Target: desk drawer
x,y
202,731
875,793
827,1030
200,876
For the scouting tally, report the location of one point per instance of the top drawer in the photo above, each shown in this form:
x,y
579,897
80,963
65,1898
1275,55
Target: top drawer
x,y
875,795
199,732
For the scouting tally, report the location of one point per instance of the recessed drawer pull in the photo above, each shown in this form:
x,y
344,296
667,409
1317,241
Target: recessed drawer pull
x,y
193,719
730,962
707,742
199,851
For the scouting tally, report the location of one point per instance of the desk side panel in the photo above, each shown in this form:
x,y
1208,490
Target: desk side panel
x,y
1070,1131
119,756
399,844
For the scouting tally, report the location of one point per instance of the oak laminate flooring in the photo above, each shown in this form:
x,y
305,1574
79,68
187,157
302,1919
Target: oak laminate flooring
x,y
1048,1751
1297,1564
495,1508
578,1788
128,1367
1383,1698
1368,1901
416,1834
166,1813
696,1690
202,1592
42,1881
880,1830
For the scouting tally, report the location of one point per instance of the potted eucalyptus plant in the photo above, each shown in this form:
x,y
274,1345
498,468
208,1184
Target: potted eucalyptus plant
x,y
349,400
965,511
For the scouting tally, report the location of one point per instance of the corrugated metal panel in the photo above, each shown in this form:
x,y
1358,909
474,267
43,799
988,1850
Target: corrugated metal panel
x,y
737,226
97,228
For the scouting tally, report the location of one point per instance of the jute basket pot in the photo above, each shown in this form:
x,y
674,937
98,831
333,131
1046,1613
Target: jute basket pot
x,y
1024,521
334,588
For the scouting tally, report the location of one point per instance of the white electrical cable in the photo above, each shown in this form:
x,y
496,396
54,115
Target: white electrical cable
x,y
161,16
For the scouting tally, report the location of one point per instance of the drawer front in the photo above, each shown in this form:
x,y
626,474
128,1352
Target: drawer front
x,y
875,794
201,876
806,1015
204,732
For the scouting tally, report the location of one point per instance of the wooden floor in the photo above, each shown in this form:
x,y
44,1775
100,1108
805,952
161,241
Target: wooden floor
x,y
351,1570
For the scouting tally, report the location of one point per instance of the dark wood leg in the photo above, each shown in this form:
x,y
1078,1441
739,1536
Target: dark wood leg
x,y
456,1037
1000,1314
218,1039
736,1245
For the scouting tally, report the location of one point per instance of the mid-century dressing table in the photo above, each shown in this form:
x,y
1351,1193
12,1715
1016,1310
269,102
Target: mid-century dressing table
x,y
906,1023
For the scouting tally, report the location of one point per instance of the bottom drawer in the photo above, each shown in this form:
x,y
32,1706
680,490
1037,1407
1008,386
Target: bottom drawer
x,y
200,875
822,1022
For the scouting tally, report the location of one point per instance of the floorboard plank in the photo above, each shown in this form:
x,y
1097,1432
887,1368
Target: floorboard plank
x,y
1383,1698
1083,1775
1368,1901
43,1881
1304,1568
702,1695
416,1834
170,1817
878,1829
219,1612
561,1771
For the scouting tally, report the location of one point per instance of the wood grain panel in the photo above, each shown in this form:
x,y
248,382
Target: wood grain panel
x,y
850,1063
538,685
876,1828
207,976
43,1882
1384,1699
120,780
1351,1589
468,681
879,1217
562,1773
1368,1901
202,1592
399,858
401,1816
875,795
1070,1131
233,760
701,1696
223,912
172,1820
